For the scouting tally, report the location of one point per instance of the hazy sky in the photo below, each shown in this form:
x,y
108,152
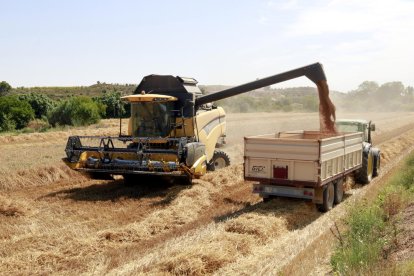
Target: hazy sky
x,y
59,43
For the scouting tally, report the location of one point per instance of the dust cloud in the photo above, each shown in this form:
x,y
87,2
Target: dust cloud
x,y
327,109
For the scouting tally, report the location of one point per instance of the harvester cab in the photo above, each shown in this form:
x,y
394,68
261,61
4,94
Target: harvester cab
x,y
151,115
173,129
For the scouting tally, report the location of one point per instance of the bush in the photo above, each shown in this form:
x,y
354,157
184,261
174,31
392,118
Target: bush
x,y
4,88
14,113
76,111
114,106
6,123
40,103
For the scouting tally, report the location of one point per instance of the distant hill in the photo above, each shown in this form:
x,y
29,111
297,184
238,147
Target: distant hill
x,y
369,96
94,90
304,99
207,89
127,89
266,99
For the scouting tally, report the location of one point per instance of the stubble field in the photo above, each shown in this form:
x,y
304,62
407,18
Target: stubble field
x,y
54,220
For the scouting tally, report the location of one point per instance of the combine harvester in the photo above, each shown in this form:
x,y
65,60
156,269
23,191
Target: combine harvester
x,y
173,130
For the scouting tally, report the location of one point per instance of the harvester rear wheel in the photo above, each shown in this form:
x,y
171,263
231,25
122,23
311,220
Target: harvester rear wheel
x,y
220,160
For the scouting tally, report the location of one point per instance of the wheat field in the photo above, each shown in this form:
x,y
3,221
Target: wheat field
x,y
56,221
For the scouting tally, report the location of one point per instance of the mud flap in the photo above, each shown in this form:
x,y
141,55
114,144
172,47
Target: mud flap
x,y
318,195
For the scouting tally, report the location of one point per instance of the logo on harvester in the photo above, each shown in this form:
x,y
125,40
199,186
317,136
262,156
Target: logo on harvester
x,y
258,169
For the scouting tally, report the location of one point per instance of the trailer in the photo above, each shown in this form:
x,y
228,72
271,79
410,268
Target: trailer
x,y
303,164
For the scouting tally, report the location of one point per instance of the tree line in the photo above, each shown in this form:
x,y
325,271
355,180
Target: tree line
x,y
39,112
368,97
40,108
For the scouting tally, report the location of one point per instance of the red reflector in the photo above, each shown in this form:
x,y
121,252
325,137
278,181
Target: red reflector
x,y
280,172
307,193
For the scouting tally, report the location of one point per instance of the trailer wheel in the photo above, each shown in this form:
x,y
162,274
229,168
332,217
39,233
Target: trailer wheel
x,y
328,198
339,191
220,160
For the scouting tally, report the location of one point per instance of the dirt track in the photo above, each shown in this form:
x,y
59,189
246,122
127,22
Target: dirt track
x,y
215,226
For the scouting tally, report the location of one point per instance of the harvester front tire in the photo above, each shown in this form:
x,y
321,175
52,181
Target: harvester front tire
x,y
220,160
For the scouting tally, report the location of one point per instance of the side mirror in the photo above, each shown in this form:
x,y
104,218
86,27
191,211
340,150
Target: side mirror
x,y
372,127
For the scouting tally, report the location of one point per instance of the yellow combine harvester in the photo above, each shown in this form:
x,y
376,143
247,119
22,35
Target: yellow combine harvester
x,y
173,130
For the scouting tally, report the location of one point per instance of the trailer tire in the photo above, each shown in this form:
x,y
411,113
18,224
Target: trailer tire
x,y
364,175
339,191
220,160
328,198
